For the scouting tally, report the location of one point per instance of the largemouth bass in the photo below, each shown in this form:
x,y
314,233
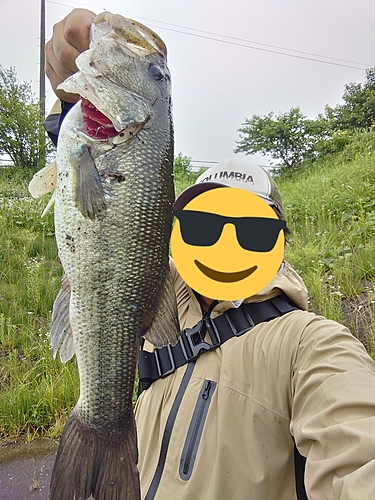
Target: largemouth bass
x,y
113,216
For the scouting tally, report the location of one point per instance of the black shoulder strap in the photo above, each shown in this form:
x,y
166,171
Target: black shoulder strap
x,y
232,323
299,472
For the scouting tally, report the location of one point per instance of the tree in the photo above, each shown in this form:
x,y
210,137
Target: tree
x,y
358,110
292,139
21,122
287,137
184,173
182,166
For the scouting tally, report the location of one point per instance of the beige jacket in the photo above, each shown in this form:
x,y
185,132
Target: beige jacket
x,y
223,429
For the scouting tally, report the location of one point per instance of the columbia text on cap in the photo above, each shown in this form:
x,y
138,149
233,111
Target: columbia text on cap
x,y
234,172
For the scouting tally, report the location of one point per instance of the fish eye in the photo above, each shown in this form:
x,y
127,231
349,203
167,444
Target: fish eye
x,y
155,72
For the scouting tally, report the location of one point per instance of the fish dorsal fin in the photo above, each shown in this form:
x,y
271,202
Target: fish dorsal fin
x,y
165,326
43,181
88,189
61,334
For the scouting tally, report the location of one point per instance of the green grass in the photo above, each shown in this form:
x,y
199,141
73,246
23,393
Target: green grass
x,y
330,208
331,211
35,390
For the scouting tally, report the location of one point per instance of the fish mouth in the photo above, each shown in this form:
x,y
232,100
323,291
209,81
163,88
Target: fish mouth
x,y
224,277
96,79
97,125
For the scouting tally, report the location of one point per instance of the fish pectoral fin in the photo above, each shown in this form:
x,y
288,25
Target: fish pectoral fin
x,y
49,204
165,328
61,334
43,181
87,186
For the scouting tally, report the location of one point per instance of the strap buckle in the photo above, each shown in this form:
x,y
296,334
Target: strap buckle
x,y
193,339
164,373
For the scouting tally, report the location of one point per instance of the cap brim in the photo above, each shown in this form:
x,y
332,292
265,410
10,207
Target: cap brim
x,y
192,191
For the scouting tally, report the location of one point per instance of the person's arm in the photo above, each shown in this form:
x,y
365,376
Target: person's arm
x,y
333,412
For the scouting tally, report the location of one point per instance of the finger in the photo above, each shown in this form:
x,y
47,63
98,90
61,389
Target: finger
x,y
56,73
70,37
63,54
53,64
77,28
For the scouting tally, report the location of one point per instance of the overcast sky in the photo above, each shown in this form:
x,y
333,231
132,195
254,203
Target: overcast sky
x,y
218,84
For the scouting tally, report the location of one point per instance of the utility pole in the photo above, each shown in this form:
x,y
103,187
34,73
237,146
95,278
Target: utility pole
x,y
42,86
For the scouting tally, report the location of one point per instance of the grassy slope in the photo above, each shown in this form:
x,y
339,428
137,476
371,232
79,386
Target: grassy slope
x,y
35,390
331,210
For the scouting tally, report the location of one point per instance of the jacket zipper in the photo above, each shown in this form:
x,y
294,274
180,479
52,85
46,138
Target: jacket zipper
x,y
168,432
150,495
194,434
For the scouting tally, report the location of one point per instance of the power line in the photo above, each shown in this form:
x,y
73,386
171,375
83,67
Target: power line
x,y
252,41
203,161
279,50
263,50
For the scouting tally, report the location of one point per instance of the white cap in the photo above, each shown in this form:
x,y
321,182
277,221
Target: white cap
x,y
234,172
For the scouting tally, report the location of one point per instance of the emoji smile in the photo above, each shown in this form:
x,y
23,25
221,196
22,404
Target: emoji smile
x,y
224,277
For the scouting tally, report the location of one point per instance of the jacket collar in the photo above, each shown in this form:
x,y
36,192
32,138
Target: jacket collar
x,y
286,280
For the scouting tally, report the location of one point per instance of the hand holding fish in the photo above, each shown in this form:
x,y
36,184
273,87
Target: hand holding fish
x,y
70,38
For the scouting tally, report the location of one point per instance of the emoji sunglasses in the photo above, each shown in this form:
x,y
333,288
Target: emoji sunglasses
x,y
257,234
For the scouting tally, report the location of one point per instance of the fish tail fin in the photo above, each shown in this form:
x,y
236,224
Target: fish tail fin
x,y
92,462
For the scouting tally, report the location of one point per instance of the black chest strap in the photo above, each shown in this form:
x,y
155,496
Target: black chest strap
x,y
232,323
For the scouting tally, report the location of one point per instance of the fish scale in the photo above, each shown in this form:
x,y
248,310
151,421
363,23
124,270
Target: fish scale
x,y
113,216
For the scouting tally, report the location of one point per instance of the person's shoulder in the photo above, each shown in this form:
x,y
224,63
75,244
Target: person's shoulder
x,y
176,277
325,339
56,108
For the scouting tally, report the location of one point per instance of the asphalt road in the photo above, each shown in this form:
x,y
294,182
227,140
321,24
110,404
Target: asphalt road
x,y
25,470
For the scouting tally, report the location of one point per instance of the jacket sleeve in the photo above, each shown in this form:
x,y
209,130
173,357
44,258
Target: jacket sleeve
x,y
55,118
333,412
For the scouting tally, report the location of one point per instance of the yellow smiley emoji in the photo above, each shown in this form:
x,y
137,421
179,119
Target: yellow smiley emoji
x,y
227,243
